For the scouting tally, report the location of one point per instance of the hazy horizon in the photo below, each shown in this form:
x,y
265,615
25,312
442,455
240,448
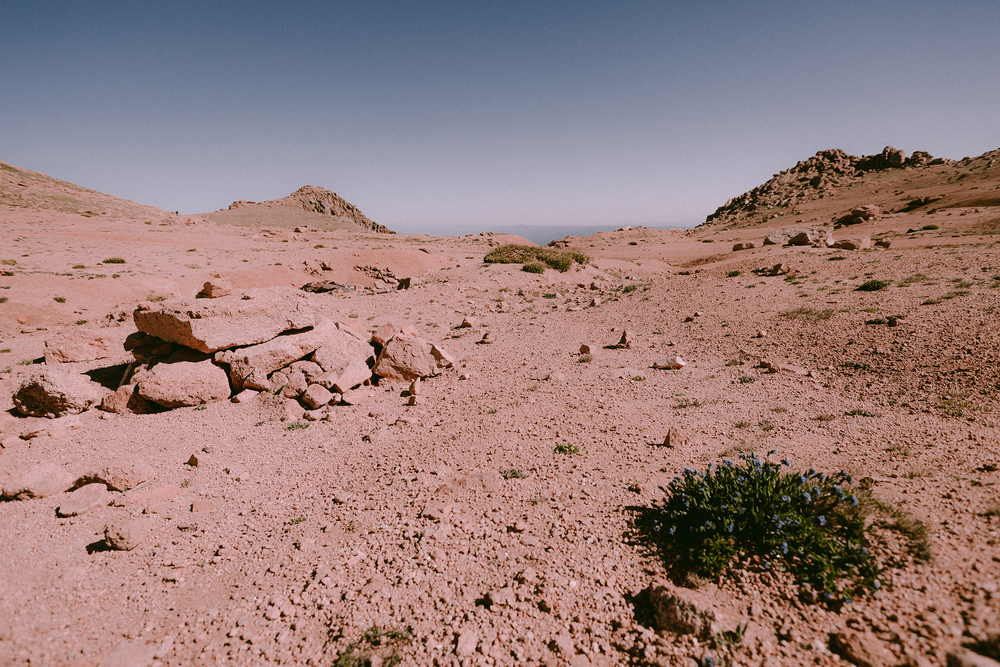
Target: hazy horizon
x,y
430,115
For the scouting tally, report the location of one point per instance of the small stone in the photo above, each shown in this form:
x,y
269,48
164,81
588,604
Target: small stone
x,y
127,535
675,438
528,575
486,339
316,396
414,400
502,597
123,474
356,396
469,322
84,499
585,349
625,341
564,644
467,642
861,649
415,387
761,333
193,461
673,363
202,505
245,396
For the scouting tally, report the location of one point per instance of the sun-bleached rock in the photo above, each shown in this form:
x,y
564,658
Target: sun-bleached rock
x,y
408,358
675,362
40,481
84,499
216,288
858,243
53,393
341,346
122,474
80,345
185,383
798,236
126,400
316,396
126,535
245,318
347,376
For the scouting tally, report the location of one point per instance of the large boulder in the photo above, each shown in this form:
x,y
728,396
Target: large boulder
x,y
346,376
185,383
410,357
858,243
79,346
53,393
342,346
209,325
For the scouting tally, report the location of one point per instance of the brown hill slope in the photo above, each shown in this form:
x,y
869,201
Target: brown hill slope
x,y
889,180
21,189
309,205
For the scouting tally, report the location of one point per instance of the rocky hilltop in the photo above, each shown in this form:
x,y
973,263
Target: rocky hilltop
x,y
834,172
311,199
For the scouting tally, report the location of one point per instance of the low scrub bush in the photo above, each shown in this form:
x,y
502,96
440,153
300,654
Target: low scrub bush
x,y
806,523
872,286
513,253
113,260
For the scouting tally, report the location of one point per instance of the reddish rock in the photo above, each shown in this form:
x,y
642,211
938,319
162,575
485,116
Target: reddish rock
x,y
185,383
247,318
53,393
80,346
408,358
40,481
84,499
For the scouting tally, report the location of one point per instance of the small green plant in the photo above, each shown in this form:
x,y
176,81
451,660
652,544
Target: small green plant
x,y
766,426
549,295
513,473
732,362
3,299
533,267
566,448
628,289
858,412
686,403
296,521
872,285
59,299
825,418
8,262
930,228
375,646
585,358
26,362
835,258
6,350
742,424
807,523
747,379
780,409
857,365
79,266
113,260
297,426
201,407
733,274
319,246
185,484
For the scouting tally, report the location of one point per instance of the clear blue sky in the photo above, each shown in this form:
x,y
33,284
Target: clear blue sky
x,y
486,113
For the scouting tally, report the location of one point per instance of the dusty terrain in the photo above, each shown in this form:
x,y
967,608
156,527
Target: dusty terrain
x,y
491,523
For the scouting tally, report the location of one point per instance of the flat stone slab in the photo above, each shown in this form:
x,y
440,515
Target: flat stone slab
x,y
246,318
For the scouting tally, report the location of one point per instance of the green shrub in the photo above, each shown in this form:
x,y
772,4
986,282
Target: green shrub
x,y
513,473
113,260
806,523
513,253
534,267
733,274
629,289
566,449
808,313
872,286
929,228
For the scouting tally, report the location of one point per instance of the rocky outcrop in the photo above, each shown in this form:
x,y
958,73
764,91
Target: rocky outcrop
x,y
209,325
811,179
408,358
319,200
53,393
815,236
79,346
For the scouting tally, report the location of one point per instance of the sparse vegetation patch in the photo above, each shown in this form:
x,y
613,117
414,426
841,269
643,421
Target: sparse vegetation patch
x,y
513,253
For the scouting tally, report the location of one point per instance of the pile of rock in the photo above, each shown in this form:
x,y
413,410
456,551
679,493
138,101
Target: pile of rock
x,y
270,340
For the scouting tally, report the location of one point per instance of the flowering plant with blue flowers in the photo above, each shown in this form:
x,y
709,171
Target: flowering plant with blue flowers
x,y
806,523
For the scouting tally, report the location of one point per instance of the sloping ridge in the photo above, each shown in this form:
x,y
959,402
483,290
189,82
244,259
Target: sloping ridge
x,y
24,189
918,180
309,205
